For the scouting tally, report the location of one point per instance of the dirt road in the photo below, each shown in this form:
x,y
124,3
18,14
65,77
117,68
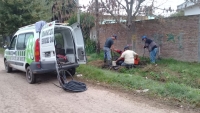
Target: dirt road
x,y
17,96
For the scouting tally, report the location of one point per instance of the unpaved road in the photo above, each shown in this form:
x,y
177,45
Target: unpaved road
x,y
17,96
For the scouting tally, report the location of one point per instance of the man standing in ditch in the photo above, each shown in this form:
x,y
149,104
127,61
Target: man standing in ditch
x,y
107,49
152,47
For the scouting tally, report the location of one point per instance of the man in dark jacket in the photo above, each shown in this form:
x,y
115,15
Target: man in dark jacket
x,y
152,47
107,49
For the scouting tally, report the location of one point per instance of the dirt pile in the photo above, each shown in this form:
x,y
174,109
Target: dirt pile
x,y
97,63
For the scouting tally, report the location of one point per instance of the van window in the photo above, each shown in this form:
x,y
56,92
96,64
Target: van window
x,y
21,42
13,43
59,39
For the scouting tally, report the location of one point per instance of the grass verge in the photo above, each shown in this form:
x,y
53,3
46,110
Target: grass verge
x,y
2,51
171,79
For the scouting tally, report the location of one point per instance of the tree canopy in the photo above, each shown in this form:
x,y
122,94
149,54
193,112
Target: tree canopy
x,y
62,10
86,22
18,13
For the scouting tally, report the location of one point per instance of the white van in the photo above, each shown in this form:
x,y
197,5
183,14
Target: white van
x,y
35,51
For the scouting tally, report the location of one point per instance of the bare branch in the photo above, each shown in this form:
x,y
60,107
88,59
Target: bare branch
x,y
113,15
127,5
122,5
138,7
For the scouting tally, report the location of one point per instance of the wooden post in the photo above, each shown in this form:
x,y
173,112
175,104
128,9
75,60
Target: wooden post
x,y
199,42
97,26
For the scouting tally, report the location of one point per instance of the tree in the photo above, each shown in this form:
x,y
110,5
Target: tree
x,y
127,9
62,10
17,13
116,8
86,22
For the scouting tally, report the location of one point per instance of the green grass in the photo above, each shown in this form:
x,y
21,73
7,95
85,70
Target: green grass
x,y
169,70
133,81
171,79
2,51
94,56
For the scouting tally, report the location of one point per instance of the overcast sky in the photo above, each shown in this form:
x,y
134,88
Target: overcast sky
x,y
161,3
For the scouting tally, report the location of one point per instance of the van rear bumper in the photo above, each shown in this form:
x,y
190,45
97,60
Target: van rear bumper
x,y
49,66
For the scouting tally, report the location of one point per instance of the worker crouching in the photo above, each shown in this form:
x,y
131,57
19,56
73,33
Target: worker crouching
x,y
130,57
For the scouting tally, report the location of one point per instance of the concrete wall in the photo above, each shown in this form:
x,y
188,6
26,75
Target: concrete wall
x,y
178,38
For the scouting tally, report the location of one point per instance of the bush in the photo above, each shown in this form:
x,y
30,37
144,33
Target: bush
x,y
90,46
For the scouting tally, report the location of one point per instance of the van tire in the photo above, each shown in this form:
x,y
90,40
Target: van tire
x,y
7,67
30,77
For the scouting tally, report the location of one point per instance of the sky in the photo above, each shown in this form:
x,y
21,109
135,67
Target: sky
x,y
163,4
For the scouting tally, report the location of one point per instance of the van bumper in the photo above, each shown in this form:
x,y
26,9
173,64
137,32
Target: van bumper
x,y
49,66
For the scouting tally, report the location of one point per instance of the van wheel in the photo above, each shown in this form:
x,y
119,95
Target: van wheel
x,y
30,77
72,71
7,67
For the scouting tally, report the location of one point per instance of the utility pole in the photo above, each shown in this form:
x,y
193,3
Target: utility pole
x,y
97,26
78,12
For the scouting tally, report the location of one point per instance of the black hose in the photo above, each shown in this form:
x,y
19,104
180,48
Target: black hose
x,y
72,85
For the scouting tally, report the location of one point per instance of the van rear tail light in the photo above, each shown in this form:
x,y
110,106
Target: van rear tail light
x,y
37,50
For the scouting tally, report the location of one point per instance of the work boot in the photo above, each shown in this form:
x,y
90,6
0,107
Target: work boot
x,y
109,62
104,60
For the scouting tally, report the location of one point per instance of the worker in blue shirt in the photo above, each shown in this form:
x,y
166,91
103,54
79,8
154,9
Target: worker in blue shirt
x,y
107,49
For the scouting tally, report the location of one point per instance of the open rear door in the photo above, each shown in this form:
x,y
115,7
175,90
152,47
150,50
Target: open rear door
x,y
47,47
79,43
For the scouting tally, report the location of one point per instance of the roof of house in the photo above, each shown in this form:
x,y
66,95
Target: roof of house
x,y
187,5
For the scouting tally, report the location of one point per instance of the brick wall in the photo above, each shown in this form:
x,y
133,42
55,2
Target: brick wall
x,y
176,37
106,31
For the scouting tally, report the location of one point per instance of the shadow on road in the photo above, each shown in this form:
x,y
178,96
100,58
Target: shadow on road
x,y
40,78
46,78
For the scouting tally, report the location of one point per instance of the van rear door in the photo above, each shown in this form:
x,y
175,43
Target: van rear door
x,y
47,47
79,43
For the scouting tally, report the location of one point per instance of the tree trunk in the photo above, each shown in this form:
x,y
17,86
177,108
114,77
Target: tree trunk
x,y
97,27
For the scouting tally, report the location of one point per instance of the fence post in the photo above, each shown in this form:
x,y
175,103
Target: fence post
x,y
199,41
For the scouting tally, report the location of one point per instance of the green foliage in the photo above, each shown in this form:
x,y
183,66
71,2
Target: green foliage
x,y
90,46
18,13
2,51
86,21
94,56
59,39
183,72
177,14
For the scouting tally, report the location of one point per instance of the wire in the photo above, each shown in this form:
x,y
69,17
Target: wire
x,y
72,85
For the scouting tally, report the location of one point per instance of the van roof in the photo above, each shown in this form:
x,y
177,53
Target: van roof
x,y
32,26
